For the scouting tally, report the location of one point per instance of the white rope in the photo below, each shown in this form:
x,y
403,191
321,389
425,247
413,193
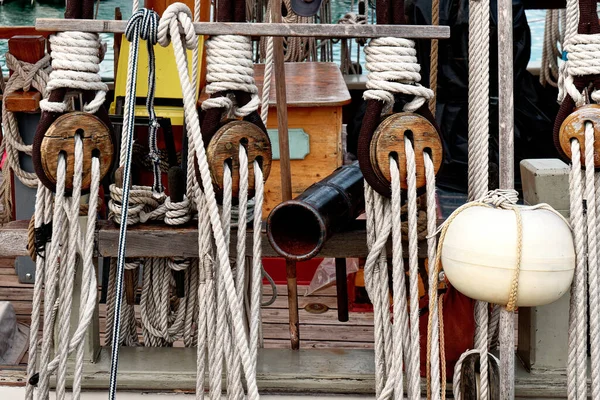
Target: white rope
x,y
583,59
549,71
24,77
394,68
479,53
458,372
175,17
76,60
43,217
229,67
577,349
67,241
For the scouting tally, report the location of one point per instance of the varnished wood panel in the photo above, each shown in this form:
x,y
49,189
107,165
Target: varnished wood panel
x,y
324,128
308,84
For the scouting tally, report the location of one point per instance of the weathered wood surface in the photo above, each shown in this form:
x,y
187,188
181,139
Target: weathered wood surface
x,y
260,29
29,49
308,84
507,174
389,139
157,240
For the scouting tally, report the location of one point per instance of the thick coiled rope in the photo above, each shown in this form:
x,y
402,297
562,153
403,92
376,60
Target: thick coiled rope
x,y
394,68
229,67
583,59
76,60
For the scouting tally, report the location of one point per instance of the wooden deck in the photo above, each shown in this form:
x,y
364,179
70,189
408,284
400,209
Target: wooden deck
x,y
316,330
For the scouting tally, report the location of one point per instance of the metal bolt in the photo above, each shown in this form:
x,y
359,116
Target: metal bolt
x,y
228,146
28,276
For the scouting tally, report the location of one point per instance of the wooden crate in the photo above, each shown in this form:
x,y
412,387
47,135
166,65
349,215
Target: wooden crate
x,y
316,93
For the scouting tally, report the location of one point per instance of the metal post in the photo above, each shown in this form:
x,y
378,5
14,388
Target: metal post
x,y
506,139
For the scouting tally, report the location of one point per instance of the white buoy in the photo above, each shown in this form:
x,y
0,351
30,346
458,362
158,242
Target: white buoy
x,y
479,255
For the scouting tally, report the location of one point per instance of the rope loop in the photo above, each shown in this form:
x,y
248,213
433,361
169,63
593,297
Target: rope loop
x,y
177,15
583,59
145,23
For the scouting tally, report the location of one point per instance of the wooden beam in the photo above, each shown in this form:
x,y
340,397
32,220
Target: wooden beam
x,y
29,49
308,371
260,29
156,240
507,178
7,32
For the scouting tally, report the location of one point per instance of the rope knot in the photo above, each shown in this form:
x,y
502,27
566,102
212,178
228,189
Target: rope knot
x,y
176,16
501,198
26,74
143,22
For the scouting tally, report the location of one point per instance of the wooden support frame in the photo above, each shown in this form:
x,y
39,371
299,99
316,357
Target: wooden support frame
x,y
260,29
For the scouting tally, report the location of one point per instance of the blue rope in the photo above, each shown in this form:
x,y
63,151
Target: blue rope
x,y
142,24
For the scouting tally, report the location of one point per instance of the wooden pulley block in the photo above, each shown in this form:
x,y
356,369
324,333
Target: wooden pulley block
x,y
60,139
224,148
389,139
573,127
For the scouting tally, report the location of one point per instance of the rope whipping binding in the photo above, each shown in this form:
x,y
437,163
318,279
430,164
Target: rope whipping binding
x,y
227,339
24,77
577,87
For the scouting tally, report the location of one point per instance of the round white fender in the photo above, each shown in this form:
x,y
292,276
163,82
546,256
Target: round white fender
x,y
479,255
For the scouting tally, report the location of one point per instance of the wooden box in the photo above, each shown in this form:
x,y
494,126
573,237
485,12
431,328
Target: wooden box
x,y
316,93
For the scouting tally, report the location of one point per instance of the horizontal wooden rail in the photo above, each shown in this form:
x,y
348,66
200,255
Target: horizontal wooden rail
x,y
7,32
157,240
260,29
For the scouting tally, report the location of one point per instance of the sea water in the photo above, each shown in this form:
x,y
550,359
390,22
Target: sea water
x,y
21,12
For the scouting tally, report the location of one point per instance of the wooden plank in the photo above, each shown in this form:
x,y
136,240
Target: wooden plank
x,y
334,334
260,29
155,240
328,318
507,173
312,344
307,372
308,84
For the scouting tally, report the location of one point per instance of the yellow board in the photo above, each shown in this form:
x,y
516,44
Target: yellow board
x,y
167,79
